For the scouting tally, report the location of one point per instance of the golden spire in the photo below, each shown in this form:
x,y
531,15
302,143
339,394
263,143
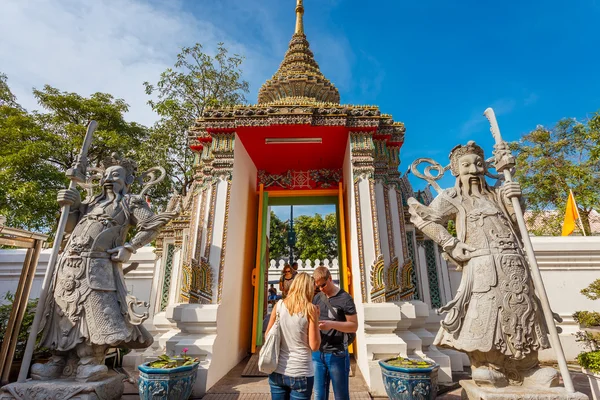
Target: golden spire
x,y
299,17
299,74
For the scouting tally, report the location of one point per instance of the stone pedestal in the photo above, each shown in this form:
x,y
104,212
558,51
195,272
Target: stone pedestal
x,y
419,314
381,320
197,324
473,392
110,388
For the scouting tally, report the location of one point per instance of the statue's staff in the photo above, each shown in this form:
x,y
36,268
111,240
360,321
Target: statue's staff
x,y
77,175
504,163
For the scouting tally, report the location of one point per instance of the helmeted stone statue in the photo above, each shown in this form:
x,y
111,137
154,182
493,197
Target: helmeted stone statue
x,y
495,316
88,309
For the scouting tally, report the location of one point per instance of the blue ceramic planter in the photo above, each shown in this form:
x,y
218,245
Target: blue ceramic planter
x,y
166,384
409,383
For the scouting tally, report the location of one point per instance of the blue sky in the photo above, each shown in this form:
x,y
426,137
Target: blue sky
x,y
433,65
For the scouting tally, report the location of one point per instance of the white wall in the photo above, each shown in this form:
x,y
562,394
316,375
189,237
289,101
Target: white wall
x,y
234,316
360,351
139,282
568,264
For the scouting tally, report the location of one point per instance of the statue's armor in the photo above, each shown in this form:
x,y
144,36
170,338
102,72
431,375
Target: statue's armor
x,y
495,307
89,301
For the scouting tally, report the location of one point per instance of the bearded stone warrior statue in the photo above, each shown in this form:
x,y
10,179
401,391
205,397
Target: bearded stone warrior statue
x,y
495,317
88,309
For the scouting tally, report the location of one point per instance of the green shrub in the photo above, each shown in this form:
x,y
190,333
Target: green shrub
x,y
590,361
164,361
592,292
408,363
587,318
5,309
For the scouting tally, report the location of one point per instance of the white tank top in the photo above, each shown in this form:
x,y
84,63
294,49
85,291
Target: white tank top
x,y
295,355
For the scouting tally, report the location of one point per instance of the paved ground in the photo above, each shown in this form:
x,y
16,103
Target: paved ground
x,y
233,386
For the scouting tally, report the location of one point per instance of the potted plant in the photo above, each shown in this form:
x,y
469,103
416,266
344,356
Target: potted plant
x,y
407,378
168,378
589,321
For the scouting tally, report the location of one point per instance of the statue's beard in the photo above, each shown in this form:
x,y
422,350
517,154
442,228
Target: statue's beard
x,y
473,186
109,196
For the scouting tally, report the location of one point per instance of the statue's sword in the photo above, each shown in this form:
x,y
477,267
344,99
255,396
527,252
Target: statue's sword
x,y
504,166
77,175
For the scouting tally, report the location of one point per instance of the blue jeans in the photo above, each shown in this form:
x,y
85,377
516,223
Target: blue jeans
x,y
288,387
332,368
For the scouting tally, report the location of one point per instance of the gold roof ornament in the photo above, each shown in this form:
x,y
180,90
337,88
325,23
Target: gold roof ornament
x,y
299,74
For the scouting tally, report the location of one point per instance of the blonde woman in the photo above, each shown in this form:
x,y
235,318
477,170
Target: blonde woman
x,y
300,336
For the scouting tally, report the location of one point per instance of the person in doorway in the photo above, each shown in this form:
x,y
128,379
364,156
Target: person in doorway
x,y
299,330
285,282
272,294
338,323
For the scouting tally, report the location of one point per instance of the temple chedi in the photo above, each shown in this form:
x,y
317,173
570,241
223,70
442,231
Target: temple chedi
x,y
299,74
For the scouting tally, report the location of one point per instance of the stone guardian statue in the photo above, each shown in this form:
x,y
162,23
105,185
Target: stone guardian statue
x,y
88,309
495,317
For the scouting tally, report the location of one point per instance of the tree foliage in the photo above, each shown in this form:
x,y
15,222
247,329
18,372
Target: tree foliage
x,y
278,229
36,148
28,181
6,96
197,80
316,237
552,161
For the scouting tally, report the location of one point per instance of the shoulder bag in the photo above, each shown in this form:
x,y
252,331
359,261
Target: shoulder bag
x,y
268,357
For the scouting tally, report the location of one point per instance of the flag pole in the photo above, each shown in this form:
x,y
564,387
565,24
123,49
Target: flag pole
x,y
504,166
577,211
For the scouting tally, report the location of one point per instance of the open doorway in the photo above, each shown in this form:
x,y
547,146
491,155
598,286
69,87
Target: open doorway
x,y
303,227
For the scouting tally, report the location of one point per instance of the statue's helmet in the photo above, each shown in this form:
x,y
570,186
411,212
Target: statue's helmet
x,y
470,148
127,164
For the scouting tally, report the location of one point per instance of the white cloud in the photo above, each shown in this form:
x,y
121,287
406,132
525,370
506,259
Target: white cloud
x,y
88,46
113,46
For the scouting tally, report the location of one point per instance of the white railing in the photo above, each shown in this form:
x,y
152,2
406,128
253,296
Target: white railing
x,y
308,266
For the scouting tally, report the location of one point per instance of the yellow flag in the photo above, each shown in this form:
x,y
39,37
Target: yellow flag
x,y
571,216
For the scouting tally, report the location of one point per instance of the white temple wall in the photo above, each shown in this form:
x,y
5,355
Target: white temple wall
x,y
234,316
568,264
138,282
366,217
360,351
396,225
218,229
382,223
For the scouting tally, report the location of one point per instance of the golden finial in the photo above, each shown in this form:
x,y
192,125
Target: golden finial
x,y
299,17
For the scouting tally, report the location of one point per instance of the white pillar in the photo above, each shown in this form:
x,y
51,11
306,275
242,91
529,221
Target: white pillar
x,y
421,264
381,341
